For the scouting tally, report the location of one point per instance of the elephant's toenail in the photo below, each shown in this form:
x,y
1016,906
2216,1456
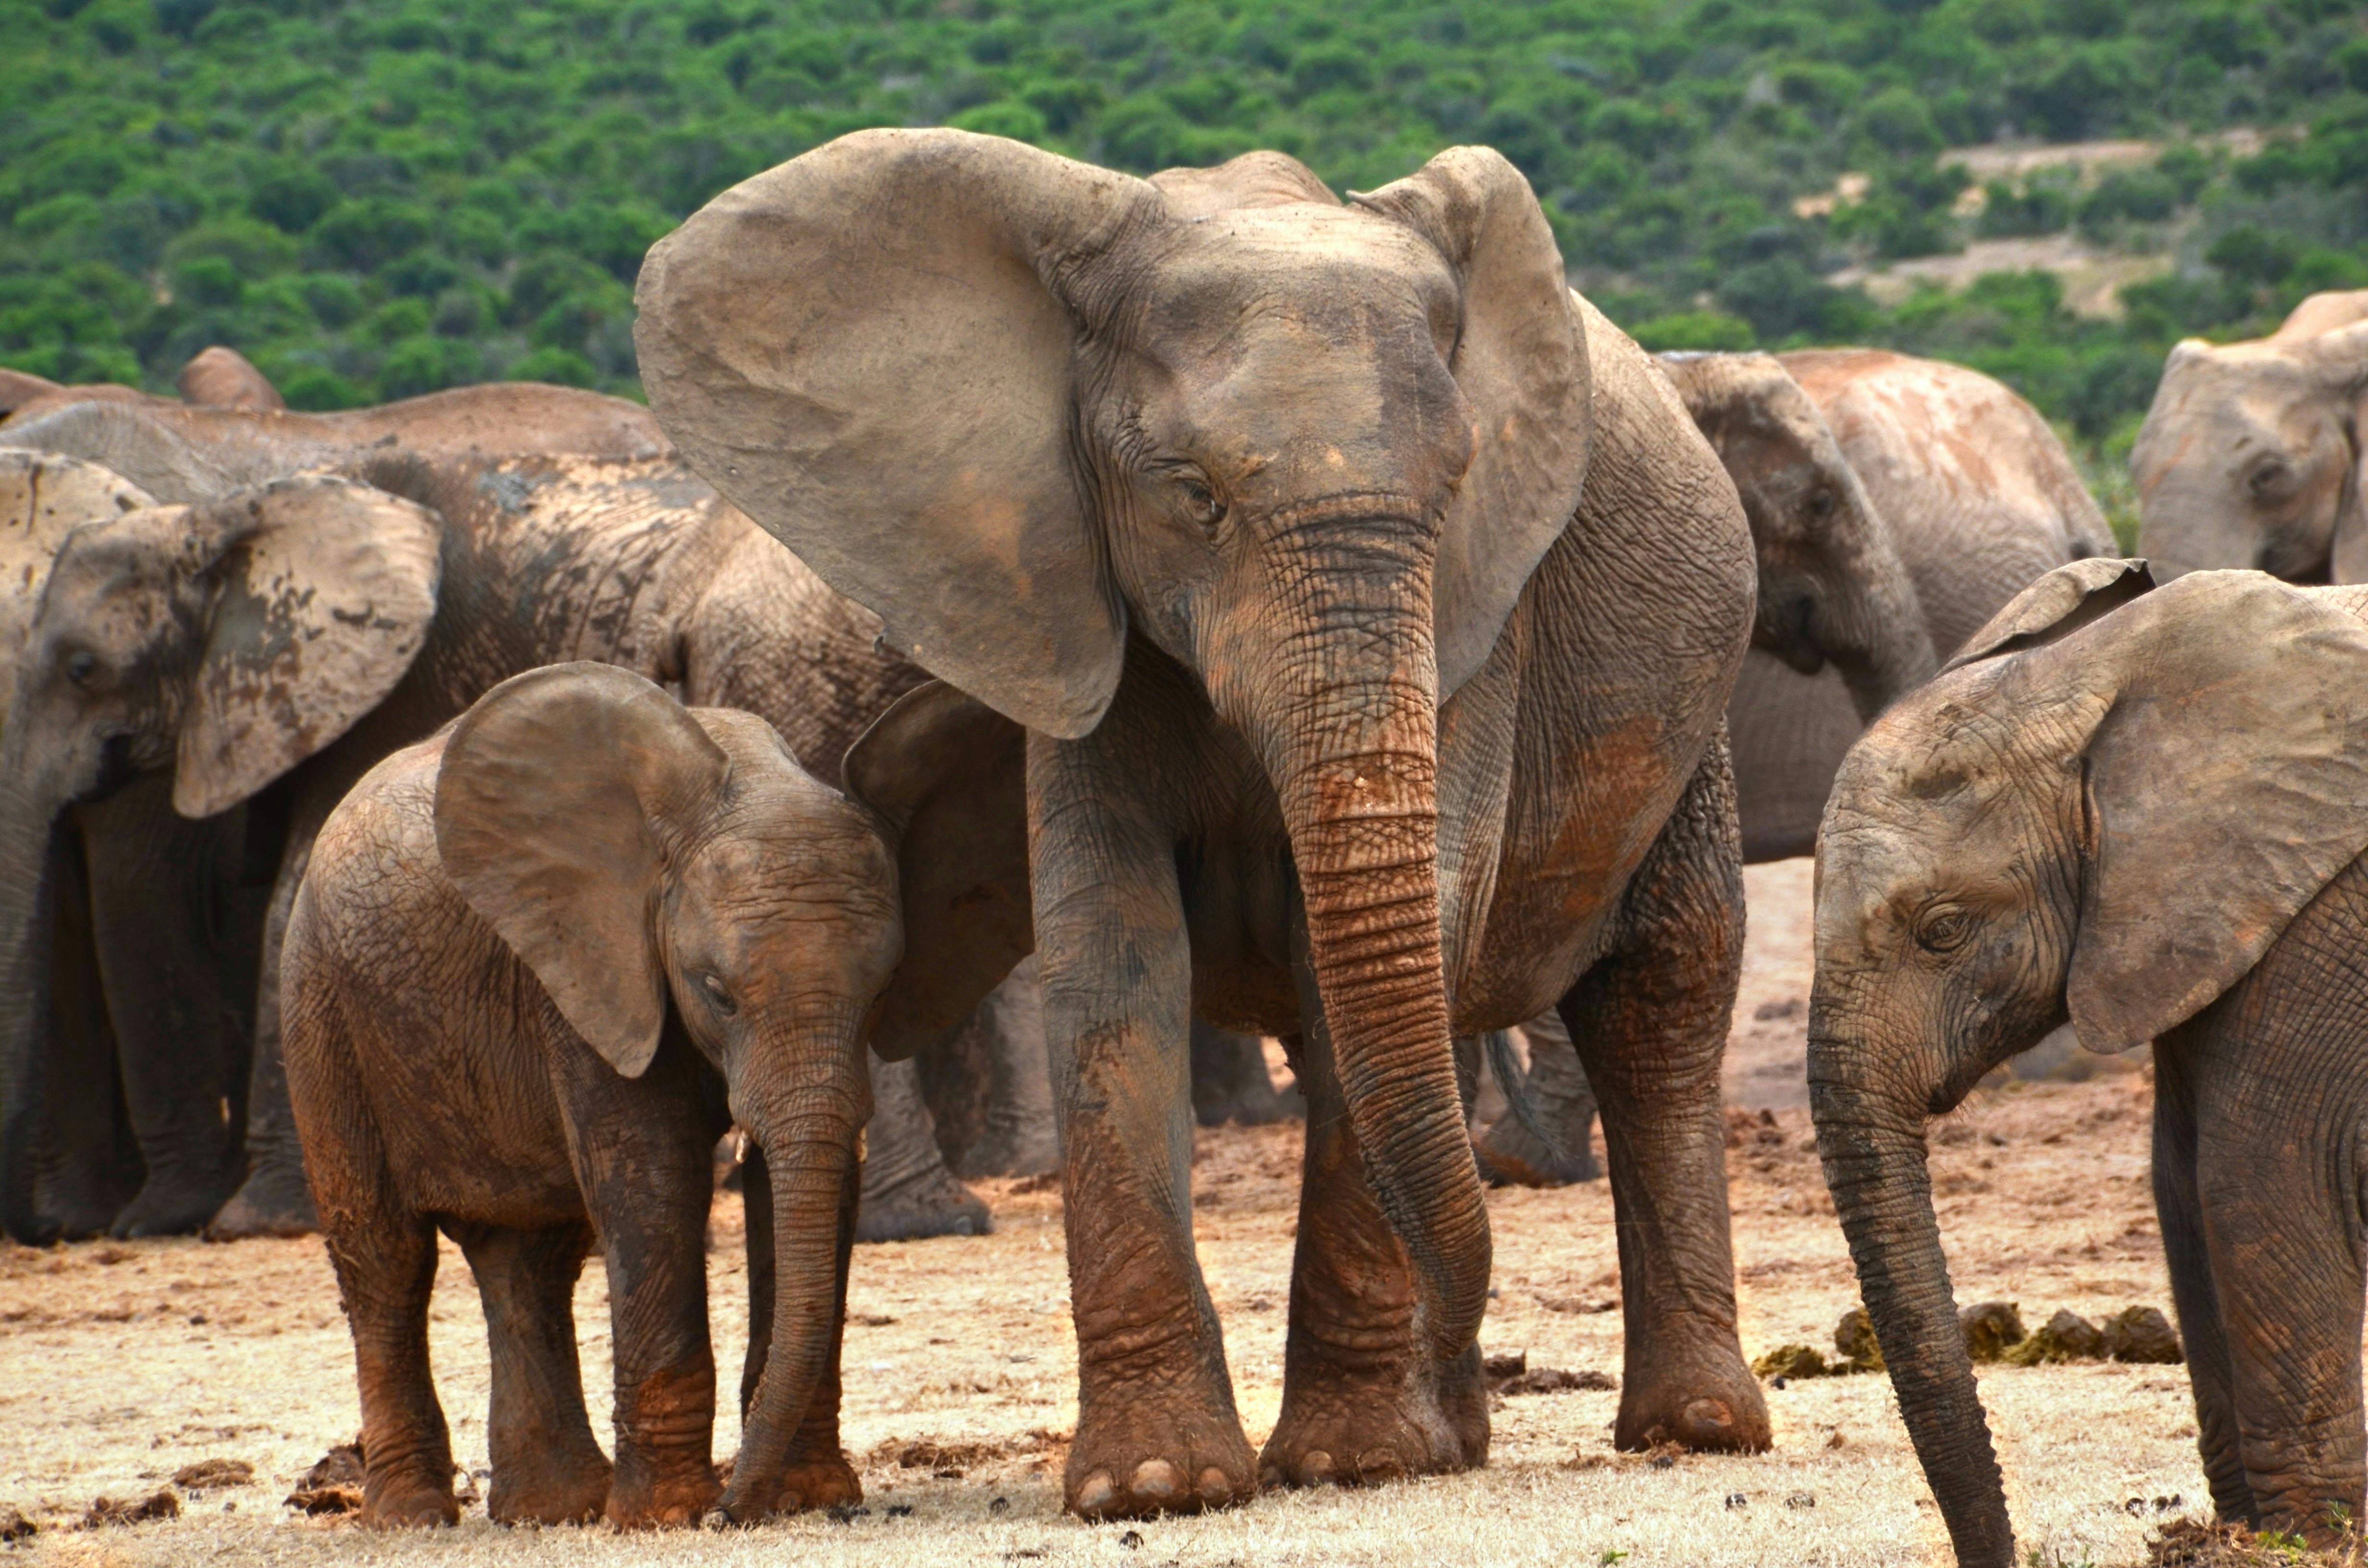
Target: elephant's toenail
x,y
1709,1419
1315,1467
1379,1466
1096,1493
1272,1477
1155,1480
1214,1485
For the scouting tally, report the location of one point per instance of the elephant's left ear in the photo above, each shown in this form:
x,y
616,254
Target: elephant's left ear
x,y
323,593
1521,364
950,775
2055,605
2225,786
2342,357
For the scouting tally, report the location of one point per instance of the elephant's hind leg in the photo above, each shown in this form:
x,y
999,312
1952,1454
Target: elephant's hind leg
x,y
2194,1292
547,1469
1359,1402
1650,1021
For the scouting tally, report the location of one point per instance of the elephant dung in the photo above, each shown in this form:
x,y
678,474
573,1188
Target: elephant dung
x,y
1990,1327
2066,1336
1793,1361
2142,1335
1854,1337
207,1474
108,1511
15,1526
334,1484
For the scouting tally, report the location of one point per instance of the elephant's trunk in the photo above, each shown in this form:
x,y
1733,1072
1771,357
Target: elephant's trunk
x,y
1871,1141
1887,648
807,1134
1353,754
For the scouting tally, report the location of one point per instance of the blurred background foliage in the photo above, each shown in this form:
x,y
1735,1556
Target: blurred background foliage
x,y
375,200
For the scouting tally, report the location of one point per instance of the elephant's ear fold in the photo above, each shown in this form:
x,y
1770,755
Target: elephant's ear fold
x,y
2055,605
322,591
950,776
1521,364
557,800
42,499
2225,785
868,350
2342,357
223,378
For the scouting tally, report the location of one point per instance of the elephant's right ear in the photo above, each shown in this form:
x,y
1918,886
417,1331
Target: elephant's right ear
x,y
323,591
2055,605
42,499
2225,785
950,776
865,350
553,806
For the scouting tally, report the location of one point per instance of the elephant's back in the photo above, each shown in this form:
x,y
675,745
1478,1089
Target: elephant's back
x,y
436,1023
508,418
1980,495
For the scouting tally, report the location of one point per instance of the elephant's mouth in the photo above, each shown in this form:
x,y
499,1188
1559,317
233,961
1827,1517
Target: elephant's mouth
x,y
115,770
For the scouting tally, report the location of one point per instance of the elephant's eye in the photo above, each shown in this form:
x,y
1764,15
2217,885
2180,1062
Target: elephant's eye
x,y
1207,508
718,997
1821,504
1943,928
81,667
2267,479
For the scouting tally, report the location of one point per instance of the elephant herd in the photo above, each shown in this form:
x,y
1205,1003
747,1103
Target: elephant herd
x,y
1209,610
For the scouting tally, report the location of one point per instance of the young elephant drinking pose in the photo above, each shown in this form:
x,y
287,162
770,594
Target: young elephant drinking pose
x,y
518,949
2145,811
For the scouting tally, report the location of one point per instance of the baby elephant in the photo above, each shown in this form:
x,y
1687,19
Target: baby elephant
x,y
539,964
2143,809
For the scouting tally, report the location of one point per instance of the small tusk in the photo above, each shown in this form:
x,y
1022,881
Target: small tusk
x,y
739,1145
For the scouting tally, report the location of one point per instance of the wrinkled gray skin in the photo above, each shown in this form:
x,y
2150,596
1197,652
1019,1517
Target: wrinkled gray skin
x,y
1978,497
515,947
534,560
2143,811
1371,604
2252,453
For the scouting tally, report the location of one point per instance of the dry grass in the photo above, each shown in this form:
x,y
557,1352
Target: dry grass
x,y
122,1364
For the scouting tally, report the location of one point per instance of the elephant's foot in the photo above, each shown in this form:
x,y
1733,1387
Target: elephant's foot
x,y
410,1500
275,1201
934,1205
549,1490
171,1206
1511,1153
1014,1150
806,1485
647,1495
1159,1450
1380,1423
1701,1397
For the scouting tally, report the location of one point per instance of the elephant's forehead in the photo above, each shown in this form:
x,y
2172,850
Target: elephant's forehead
x,y
1314,261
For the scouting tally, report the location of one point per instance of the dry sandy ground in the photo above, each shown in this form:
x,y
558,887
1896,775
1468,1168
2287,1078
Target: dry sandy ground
x,y
121,1363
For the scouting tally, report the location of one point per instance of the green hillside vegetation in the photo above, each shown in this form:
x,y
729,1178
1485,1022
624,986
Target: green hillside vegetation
x,y
373,200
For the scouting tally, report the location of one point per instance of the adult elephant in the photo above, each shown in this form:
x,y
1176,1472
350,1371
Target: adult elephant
x,y
2251,453
1836,451
1371,605
292,631
151,1010
217,377
2145,811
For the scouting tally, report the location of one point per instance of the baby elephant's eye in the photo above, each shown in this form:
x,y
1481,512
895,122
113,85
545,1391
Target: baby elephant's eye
x,y
1822,504
1943,927
81,667
718,997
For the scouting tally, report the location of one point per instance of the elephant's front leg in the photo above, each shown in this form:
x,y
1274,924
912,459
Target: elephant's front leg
x,y
1360,1403
642,1149
2194,1292
1650,1021
1156,1428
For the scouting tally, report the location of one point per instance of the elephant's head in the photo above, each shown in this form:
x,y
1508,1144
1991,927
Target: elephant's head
x,y
42,499
223,378
223,642
1832,587
1028,410
641,858
2107,807
2251,456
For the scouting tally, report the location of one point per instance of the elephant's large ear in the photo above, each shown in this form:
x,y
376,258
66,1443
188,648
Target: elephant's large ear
x,y
950,776
2055,605
2225,786
323,593
1521,363
2342,357
223,378
42,499
551,805
865,349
